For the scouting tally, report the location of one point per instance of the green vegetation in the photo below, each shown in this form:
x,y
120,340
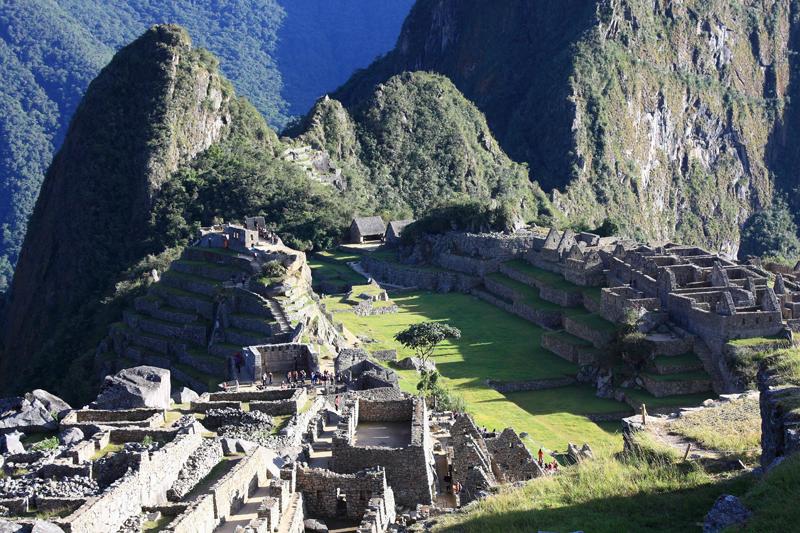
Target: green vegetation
x,y
771,233
447,151
56,49
107,450
649,490
499,346
50,443
550,279
774,498
733,426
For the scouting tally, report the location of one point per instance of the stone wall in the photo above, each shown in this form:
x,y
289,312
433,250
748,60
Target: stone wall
x,y
321,490
146,484
422,278
379,515
199,516
409,469
240,482
281,358
512,458
780,424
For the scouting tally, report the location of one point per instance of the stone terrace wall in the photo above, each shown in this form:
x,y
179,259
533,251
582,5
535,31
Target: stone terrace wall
x,y
780,427
280,358
423,278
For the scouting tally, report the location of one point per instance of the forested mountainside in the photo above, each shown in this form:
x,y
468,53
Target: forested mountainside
x,y
160,144
51,49
673,119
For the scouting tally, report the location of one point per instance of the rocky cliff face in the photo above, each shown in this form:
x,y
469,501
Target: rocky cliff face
x,y
156,105
665,116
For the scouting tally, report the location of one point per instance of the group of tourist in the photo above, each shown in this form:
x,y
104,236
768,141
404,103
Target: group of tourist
x,y
299,378
551,467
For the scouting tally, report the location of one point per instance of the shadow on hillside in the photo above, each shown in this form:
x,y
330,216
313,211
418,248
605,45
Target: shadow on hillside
x,y
677,511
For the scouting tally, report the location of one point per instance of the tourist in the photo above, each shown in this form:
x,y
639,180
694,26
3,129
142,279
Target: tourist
x,y
238,361
288,377
337,401
541,457
264,379
269,375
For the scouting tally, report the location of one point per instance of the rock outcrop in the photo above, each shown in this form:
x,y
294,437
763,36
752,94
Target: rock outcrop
x,y
131,388
780,419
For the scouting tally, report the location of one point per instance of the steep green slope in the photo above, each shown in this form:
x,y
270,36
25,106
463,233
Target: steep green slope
x,y
664,117
416,143
50,51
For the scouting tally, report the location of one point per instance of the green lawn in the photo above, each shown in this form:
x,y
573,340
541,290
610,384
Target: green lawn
x,y
332,267
500,346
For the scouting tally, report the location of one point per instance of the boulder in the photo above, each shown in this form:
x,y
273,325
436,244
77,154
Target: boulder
x,y
10,527
185,395
727,511
10,443
315,526
45,527
131,388
53,403
30,416
71,436
244,446
415,363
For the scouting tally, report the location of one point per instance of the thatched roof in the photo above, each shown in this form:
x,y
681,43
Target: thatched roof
x,y
397,226
370,225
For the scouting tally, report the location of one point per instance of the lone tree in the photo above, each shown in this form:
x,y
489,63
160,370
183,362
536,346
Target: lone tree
x,y
423,338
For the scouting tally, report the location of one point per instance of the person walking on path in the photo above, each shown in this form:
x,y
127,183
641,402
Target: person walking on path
x,y
541,457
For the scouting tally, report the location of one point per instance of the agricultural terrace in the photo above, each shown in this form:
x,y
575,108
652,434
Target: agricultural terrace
x,y
499,346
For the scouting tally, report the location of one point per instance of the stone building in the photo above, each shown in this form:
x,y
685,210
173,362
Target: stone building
x,y
395,230
367,229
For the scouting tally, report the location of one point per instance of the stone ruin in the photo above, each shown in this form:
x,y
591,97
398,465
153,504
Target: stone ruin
x,y
252,459
236,304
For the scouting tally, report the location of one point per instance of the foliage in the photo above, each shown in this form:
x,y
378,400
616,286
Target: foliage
x,y
241,176
50,443
465,215
771,232
50,51
423,338
415,144
439,395
147,440
273,269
